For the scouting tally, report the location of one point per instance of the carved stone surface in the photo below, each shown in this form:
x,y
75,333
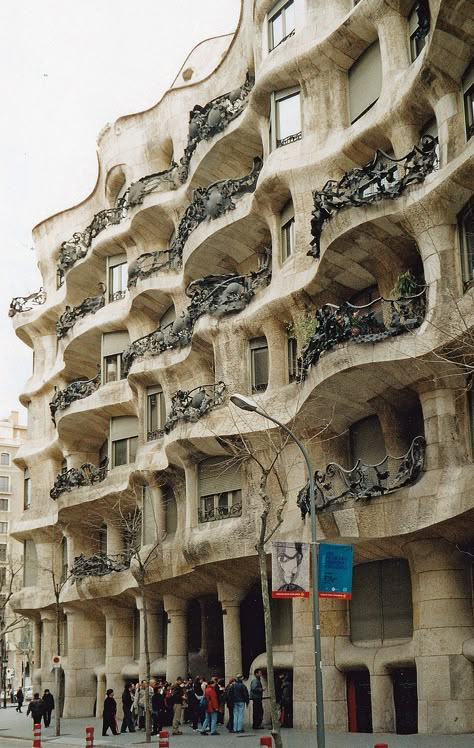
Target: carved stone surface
x,y
335,485
26,303
85,475
70,316
75,390
384,178
191,405
98,565
219,513
214,117
359,324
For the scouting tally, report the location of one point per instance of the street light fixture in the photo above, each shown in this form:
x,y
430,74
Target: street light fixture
x,y
244,403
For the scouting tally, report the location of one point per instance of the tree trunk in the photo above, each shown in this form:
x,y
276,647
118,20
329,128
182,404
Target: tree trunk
x,y
147,653
59,696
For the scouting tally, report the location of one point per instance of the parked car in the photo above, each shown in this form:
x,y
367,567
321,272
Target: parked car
x,y
28,693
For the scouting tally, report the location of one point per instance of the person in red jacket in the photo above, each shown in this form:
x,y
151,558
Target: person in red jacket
x,y
212,708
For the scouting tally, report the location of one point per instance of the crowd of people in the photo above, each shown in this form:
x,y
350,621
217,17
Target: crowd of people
x,y
204,704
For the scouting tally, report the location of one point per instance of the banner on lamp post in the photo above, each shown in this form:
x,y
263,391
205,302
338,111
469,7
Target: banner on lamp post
x,y
290,569
335,570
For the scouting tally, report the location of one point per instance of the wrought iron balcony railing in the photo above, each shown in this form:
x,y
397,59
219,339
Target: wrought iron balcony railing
x,y
75,390
85,475
336,485
216,513
149,264
190,406
70,316
26,303
384,178
177,334
380,319
289,139
99,565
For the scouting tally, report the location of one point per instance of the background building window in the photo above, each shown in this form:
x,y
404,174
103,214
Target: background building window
x,y
3,576
3,505
123,435
3,551
365,82
4,484
259,364
468,92
220,485
281,22
466,241
287,231
3,528
285,118
156,412
26,489
4,458
117,277
113,345
381,606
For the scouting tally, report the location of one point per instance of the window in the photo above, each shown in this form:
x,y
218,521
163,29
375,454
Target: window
x,y
117,271
3,551
466,241
3,505
285,119
468,92
259,364
3,576
4,458
156,412
381,606
3,528
367,442
287,235
417,37
4,484
281,23
292,359
220,493
370,296
113,345
365,82
30,563
123,435
26,489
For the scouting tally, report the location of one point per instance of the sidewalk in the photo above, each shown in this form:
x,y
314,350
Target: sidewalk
x,y
16,730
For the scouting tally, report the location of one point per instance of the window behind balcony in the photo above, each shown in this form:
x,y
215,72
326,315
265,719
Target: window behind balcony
x,y
259,364
281,22
468,92
287,231
26,489
156,412
466,240
123,435
417,40
365,82
381,607
285,117
292,359
367,442
220,485
117,276
113,345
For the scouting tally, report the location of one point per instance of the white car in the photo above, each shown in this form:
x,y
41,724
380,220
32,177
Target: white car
x,y
29,693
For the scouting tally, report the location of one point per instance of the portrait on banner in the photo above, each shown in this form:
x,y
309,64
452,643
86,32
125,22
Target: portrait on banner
x,y
290,569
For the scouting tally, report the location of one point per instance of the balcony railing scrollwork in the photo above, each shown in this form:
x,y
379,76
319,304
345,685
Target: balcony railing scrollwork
x,y
69,317
190,406
99,565
216,513
148,264
85,475
26,303
177,334
336,485
383,178
380,319
75,390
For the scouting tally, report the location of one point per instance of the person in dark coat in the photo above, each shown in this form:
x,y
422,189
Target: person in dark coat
x,y
286,700
109,718
127,703
256,695
48,702
35,708
20,697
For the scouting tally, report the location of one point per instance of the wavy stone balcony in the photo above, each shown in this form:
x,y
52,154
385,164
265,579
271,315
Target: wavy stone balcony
x,y
383,178
75,390
335,485
26,303
99,565
191,405
214,294
85,475
378,320
71,315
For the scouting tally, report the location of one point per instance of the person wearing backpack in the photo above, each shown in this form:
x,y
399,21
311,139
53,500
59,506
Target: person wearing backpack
x,y
239,697
36,709
212,708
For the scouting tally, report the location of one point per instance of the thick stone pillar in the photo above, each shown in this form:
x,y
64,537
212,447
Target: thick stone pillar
x,y
36,656
383,715
48,648
86,655
230,598
444,448
155,634
177,654
442,615
118,645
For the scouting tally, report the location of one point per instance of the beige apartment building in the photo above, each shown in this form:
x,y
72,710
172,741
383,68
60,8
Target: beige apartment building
x,y
293,221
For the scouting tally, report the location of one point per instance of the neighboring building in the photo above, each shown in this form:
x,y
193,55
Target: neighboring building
x,y
364,324
12,436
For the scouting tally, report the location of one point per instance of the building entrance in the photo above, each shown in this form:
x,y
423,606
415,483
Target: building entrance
x,y
359,703
405,697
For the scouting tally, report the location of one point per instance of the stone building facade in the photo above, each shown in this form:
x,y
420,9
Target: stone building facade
x,y
293,221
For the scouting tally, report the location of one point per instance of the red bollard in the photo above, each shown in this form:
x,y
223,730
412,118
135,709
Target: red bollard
x,y
36,736
381,745
164,739
266,740
89,737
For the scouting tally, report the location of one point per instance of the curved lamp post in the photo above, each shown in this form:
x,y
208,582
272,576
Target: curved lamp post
x,y
245,403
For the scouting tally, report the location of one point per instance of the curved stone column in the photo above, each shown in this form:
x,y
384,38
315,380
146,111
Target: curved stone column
x,y
86,650
177,650
230,598
118,646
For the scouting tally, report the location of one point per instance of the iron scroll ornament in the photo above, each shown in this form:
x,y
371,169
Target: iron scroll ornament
x,y
99,565
85,475
26,303
190,406
75,390
71,315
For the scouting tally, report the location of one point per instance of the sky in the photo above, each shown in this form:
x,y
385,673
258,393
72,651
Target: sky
x,y
68,67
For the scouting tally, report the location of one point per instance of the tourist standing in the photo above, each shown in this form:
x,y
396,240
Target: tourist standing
x,y
109,716
20,697
256,695
48,706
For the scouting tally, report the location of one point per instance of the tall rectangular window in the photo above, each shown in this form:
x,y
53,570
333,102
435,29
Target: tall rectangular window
x,y
4,458
3,551
113,345
3,576
259,364
285,117
220,494
417,37
3,528
26,489
287,231
365,82
281,22
117,270
156,412
123,435
466,241
3,505
468,93
4,484
292,359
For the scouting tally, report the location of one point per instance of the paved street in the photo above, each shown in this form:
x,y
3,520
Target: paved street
x,y
16,732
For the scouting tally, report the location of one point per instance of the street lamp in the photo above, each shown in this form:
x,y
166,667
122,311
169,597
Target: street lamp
x,y
245,403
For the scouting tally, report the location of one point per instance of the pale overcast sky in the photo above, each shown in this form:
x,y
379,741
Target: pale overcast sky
x,y
69,67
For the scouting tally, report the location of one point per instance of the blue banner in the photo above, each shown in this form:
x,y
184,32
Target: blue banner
x,y
335,570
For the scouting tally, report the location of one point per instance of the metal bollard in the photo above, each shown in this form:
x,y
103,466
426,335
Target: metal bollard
x,y
164,739
36,736
89,737
266,740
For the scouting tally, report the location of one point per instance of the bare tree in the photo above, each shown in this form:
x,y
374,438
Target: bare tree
x,y
9,622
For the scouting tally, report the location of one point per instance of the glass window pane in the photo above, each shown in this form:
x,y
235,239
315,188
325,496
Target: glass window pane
x,y
133,442
3,505
4,458
4,483
276,30
288,116
259,369
111,369
288,233
119,452
289,13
